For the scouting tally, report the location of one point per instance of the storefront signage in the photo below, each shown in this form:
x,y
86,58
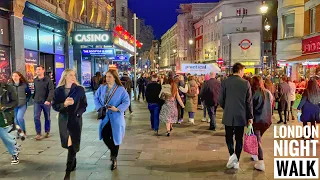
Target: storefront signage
x,y
4,64
59,44
30,38
4,31
311,45
245,44
98,52
45,41
59,67
125,44
198,69
86,73
92,38
310,63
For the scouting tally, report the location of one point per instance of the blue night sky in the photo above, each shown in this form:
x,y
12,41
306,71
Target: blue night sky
x,y
160,14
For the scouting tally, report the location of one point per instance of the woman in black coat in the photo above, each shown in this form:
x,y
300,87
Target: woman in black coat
x,y
70,101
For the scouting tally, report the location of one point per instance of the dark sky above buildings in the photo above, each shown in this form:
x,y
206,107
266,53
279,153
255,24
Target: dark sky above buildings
x,y
160,14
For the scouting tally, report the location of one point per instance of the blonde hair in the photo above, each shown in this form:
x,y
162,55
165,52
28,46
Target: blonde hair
x,y
64,74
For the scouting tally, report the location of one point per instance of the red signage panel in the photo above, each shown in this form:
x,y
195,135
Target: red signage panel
x,y
311,45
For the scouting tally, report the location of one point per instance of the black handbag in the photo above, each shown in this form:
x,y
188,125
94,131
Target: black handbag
x,y
102,112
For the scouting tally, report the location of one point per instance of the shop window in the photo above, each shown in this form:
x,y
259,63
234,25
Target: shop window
x,y
288,21
239,12
312,20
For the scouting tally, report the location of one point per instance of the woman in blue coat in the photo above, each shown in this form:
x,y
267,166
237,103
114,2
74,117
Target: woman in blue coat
x,y
112,127
309,104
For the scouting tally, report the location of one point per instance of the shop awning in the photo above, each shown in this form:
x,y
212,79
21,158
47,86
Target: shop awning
x,y
308,57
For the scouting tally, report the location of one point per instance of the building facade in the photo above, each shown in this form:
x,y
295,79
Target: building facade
x,y
155,54
198,29
233,33
120,12
168,51
290,29
305,64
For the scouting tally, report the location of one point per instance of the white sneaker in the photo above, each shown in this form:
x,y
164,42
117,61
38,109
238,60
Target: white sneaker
x,y
236,165
204,120
232,160
208,120
254,157
260,166
191,121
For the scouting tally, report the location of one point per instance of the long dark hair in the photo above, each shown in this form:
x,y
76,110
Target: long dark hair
x,y
257,85
115,75
313,92
22,78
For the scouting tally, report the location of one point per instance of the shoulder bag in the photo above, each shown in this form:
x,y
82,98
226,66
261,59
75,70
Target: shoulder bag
x,y
102,112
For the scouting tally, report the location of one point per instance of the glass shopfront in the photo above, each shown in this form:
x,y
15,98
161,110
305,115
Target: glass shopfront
x,y
45,48
5,70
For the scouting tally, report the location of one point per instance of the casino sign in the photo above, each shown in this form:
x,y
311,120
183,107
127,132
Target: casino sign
x,y
245,44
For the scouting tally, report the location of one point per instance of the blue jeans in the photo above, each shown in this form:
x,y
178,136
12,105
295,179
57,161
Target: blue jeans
x,y
212,115
154,109
8,140
37,114
19,117
191,115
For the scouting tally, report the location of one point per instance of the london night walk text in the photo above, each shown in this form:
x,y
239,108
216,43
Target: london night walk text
x,y
286,145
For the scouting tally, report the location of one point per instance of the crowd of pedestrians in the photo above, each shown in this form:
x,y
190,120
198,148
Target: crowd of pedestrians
x,y
245,100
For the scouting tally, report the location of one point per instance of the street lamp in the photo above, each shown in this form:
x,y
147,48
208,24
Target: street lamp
x,y
159,57
190,41
264,8
267,27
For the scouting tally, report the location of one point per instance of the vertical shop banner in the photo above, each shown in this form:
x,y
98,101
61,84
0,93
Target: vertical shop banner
x,y
30,38
86,73
31,60
59,44
60,66
4,64
4,31
45,42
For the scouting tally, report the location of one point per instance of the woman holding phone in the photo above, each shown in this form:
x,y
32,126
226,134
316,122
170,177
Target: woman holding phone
x,y
115,98
71,102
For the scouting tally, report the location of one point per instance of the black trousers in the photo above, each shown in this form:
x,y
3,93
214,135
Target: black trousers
x,y
141,91
237,131
72,160
108,140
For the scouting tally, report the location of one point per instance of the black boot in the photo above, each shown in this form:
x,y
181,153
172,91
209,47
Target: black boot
x,y
71,161
67,176
113,163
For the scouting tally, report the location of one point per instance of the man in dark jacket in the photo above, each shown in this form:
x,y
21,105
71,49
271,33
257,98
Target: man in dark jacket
x,y
142,85
127,83
283,99
43,95
210,94
9,101
152,95
236,100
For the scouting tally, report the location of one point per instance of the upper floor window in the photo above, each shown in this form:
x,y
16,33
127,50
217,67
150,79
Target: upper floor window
x,y
201,29
245,11
220,15
312,20
216,18
238,12
288,24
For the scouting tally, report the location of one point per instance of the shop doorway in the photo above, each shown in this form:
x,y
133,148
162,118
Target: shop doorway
x,y
47,60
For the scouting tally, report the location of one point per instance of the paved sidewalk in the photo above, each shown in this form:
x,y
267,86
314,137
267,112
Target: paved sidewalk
x,y
192,152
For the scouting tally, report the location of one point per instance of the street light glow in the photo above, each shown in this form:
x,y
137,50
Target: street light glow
x,y
267,27
264,8
190,41
174,51
159,57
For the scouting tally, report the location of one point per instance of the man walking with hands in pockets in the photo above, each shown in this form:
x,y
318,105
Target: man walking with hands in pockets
x,y
43,95
236,101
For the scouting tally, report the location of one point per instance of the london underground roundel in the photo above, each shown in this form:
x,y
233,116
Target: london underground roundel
x,y
245,44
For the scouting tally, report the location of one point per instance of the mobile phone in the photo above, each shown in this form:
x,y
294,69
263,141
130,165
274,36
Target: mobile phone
x,y
109,106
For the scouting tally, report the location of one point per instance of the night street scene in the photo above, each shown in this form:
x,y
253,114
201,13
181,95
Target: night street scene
x,y
159,89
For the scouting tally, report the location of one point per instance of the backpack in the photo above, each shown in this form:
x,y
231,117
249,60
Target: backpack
x,y
193,90
6,117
